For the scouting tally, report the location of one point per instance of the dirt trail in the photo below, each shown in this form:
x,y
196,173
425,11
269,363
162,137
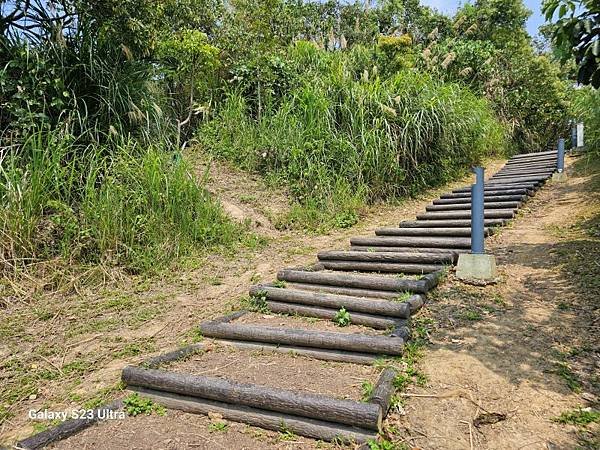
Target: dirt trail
x,y
500,349
95,333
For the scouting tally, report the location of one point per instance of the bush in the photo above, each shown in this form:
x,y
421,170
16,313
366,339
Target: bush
x,y
586,108
345,137
134,207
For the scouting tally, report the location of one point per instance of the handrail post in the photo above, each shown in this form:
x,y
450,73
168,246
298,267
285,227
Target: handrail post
x,y
560,157
477,212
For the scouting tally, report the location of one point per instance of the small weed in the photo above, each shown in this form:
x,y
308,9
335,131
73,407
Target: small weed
x,y
255,278
217,427
563,306
564,371
136,405
580,417
342,318
285,434
279,283
257,302
384,444
472,315
367,390
404,296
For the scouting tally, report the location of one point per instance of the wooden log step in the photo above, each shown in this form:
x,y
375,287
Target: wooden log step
x,y
534,154
399,241
530,171
488,214
447,251
486,199
353,342
435,231
356,318
526,164
354,280
354,304
466,192
384,389
404,257
535,178
355,292
534,159
459,223
359,266
467,206
364,415
510,181
269,420
321,354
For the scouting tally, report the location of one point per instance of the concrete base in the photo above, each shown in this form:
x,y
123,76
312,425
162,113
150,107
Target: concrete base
x,y
559,177
476,267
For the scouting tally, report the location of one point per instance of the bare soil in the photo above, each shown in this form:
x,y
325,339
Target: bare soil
x,y
527,348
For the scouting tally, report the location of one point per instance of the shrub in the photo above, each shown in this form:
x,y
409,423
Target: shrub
x,y
136,207
345,137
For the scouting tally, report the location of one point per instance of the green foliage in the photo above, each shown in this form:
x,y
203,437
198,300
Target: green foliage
x,y
367,390
575,34
342,318
498,62
217,427
579,417
137,207
586,107
136,405
345,137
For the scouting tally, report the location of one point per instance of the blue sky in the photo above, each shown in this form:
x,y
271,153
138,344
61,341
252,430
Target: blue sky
x,y
449,7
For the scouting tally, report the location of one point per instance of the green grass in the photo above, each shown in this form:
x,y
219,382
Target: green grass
x,y
340,142
342,318
580,417
136,405
129,206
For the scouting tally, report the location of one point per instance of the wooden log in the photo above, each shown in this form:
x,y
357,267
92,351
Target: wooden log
x,y
357,292
176,355
512,180
490,214
306,338
68,428
466,192
269,420
423,231
367,320
433,279
415,303
524,165
399,241
450,223
532,171
467,200
353,281
534,154
405,257
467,206
381,267
353,304
384,389
231,317
320,354
284,401
518,178
454,252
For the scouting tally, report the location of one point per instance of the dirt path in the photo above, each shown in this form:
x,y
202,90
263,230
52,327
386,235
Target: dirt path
x,y
67,351
527,348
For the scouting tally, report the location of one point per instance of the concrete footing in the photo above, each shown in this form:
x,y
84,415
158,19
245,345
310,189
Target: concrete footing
x,y
559,177
476,267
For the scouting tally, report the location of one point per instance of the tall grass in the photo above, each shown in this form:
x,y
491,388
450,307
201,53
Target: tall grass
x,y
133,207
586,107
344,137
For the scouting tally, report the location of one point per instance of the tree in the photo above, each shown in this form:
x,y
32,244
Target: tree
x,y
577,34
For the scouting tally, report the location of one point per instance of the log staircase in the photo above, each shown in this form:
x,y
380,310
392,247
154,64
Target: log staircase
x,y
381,281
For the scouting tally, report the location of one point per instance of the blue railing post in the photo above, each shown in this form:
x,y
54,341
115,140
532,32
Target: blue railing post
x,y
477,212
560,157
